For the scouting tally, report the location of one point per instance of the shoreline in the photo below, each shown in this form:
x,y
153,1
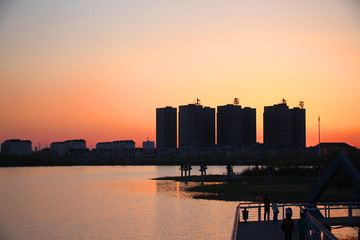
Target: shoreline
x,y
282,189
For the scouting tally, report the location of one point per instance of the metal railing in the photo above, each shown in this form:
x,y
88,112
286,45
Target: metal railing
x,y
339,209
255,211
236,223
316,230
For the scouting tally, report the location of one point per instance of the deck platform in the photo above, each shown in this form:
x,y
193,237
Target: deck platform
x,y
268,230
261,230
342,214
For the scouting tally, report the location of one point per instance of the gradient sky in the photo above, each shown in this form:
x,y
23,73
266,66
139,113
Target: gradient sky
x,y
98,70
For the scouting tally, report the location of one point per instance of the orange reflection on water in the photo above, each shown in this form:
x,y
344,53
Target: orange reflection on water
x,y
345,233
177,189
142,187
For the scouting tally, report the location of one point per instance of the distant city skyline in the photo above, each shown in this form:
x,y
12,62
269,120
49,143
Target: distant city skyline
x,y
170,118
97,70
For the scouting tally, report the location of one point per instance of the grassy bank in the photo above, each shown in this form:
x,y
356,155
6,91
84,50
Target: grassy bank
x,y
291,186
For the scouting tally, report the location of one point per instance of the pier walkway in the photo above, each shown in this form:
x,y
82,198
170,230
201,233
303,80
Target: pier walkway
x,y
327,215
260,230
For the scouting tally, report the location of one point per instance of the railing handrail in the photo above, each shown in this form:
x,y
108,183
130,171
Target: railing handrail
x,y
309,206
309,203
256,205
236,223
325,208
322,228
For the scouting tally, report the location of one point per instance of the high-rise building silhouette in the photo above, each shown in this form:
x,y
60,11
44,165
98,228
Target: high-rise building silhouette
x,y
166,127
284,126
196,126
249,126
229,125
277,124
209,126
236,126
298,127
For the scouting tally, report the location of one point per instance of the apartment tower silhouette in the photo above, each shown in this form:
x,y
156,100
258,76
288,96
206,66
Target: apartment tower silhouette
x,y
236,126
284,126
166,127
196,126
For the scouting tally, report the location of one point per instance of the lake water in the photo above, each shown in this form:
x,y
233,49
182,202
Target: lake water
x,y
108,202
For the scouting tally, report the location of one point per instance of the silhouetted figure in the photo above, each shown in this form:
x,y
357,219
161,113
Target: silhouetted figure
x,y
266,208
229,169
302,226
288,211
229,172
245,214
307,217
275,209
288,226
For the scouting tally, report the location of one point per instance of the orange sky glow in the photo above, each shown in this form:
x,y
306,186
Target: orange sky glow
x,y
97,70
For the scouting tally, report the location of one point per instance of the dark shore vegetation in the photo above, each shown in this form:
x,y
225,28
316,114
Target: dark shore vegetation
x,y
286,184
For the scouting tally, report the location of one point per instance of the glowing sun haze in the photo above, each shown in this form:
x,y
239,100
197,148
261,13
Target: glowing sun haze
x,y
97,70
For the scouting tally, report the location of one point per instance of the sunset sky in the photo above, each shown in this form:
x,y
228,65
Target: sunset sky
x,y
98,70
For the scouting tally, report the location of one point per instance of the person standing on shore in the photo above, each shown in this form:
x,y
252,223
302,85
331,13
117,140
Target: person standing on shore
x,y
266,208
275,209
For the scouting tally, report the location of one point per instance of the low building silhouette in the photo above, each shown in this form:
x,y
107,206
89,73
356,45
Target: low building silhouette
x,y
71,148
16,147
115,145
148,145
115,149
328,147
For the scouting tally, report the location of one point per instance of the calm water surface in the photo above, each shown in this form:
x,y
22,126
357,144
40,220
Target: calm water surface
x,y
113,202
107,202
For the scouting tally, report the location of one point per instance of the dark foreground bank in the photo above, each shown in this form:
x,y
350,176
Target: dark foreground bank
x,y
253,185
